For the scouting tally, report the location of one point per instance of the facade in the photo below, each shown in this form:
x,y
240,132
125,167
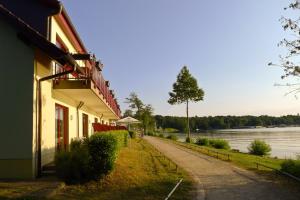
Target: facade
x,y
52,90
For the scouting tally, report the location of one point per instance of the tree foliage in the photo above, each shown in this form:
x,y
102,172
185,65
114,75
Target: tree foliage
x,y
139,110
185,89
288,62
225,122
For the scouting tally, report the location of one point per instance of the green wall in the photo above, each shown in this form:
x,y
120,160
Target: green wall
x,y
16,103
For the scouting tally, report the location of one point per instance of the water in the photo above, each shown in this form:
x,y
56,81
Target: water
x,y
285,142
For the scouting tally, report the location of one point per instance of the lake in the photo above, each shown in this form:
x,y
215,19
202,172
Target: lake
x,y
285,142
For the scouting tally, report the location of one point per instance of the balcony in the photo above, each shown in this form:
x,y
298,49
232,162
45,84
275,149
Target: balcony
x,y
90,88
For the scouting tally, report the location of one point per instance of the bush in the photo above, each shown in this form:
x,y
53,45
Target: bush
x,y
74,166
161,135
121,135
132,134
291,167
150,133
90,158
219,143
172,137
103,150
202,141
260,148
171,130
188,140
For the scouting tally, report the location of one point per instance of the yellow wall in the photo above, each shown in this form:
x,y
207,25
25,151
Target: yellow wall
x,y
21,66
50,97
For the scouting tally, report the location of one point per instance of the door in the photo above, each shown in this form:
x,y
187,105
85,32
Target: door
x,y
85,125
61,127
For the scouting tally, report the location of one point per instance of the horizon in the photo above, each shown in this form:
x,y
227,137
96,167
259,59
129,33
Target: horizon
x,y
226,47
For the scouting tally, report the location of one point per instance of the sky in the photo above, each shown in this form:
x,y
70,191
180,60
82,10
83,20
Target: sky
x,y
226,45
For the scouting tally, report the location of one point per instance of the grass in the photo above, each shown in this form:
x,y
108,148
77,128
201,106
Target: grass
x,y
243,160
139,174
247,161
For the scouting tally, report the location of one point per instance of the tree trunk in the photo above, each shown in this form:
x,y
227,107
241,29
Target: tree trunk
x,y
188,119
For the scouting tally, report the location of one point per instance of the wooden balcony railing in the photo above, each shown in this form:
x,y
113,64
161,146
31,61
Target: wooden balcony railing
x,y
94,74
102,127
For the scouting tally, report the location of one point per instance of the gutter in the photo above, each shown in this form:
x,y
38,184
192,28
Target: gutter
x,y
39,129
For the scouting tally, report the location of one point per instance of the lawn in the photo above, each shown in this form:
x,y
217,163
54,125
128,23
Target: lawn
x,y
243,160
140,173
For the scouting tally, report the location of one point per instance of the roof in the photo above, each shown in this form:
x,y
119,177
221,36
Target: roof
x,y
65,14
31,36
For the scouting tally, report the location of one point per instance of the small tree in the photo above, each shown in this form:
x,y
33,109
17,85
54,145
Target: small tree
x,y
185,89
142,112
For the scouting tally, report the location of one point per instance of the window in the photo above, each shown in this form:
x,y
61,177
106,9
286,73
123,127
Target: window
x,y
61,127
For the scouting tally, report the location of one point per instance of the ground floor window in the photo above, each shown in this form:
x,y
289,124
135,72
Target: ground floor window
x,y
61,127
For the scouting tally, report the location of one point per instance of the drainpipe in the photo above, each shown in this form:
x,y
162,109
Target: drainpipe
x,y
39,135
101,118
77,108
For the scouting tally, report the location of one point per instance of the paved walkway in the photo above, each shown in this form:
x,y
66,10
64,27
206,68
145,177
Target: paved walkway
x,y
218,180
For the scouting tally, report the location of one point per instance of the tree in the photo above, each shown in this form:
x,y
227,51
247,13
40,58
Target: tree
x,y
289,61
185,89
128,113
147,118
140,111
134,102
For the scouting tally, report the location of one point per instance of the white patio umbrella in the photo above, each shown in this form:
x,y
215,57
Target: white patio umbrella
x,y
127,121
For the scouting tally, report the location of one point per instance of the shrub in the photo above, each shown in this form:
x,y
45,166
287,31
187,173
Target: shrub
x,y
172,137
170,130
259,147
121,135
219,143
202,141
103,150
188,140
291,167
132,134
161,135
150,133
90,158
74,166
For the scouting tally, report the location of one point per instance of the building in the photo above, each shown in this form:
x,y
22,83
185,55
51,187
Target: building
x,y
52,89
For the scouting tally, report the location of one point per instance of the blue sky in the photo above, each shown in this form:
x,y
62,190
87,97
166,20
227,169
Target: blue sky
x,y
225,44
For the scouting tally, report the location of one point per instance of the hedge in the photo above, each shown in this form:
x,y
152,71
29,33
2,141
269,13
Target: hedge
x,y
121,135
90,158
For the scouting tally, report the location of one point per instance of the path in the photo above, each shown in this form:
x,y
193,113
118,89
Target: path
x,y
216,179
